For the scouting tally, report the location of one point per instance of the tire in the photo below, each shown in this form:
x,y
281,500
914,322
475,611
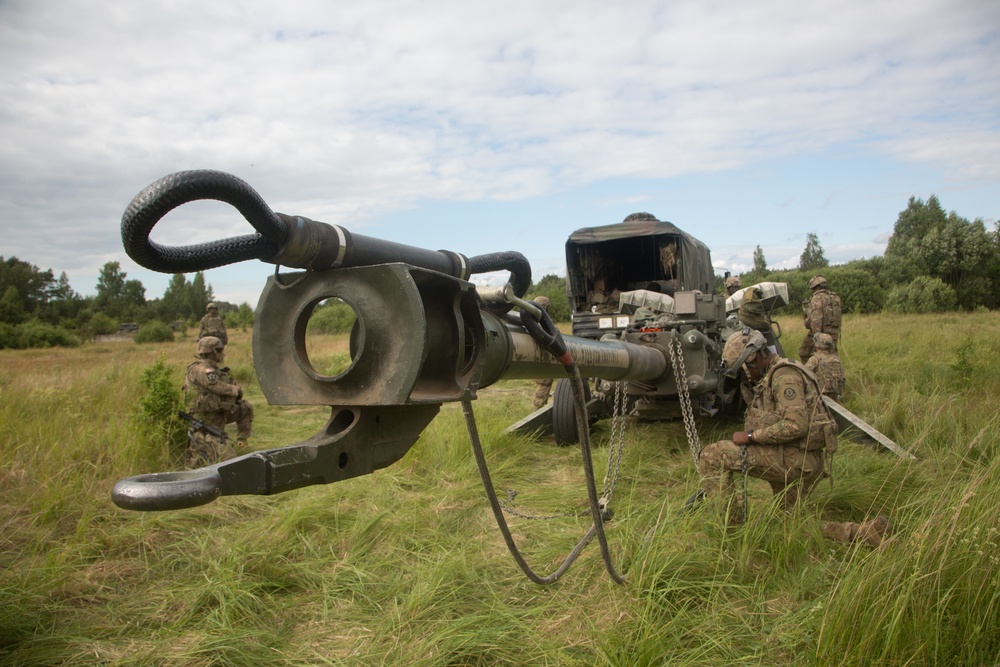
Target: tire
x,y
564,412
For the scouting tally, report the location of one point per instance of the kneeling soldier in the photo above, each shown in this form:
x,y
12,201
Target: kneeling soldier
x,y
217,400
788,429
826,366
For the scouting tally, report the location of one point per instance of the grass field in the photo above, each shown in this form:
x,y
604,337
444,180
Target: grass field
x,y
406,566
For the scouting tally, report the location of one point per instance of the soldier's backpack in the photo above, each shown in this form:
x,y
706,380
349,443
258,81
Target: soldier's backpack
x,y
822,427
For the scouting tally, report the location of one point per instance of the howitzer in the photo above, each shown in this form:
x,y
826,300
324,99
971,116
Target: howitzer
x,y
198,425
423,335
456,341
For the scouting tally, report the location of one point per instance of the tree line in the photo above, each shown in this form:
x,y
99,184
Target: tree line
x,y
39,310
934,262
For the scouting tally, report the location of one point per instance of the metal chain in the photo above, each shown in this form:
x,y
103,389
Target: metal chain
x,y
511,494
684,394
616,449
744,465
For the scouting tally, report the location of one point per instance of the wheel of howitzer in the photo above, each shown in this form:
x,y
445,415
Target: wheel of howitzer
x,y
564,412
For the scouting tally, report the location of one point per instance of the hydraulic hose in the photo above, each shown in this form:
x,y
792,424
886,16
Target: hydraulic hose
x,y
293,241
159,198
514,262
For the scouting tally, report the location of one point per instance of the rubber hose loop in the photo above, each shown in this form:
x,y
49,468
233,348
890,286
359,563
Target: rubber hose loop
x,y
159,198
514,262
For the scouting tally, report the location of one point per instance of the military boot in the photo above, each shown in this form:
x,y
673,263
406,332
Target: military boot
x,y
874,531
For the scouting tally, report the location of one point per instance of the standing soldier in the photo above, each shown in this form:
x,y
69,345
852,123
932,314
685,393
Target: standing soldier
x,y
826,366
217,401
542,385
732,285
788,430
820,314
212,324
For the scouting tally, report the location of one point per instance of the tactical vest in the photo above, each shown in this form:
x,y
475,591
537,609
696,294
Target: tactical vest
x,y
822,433
831,313
213,326
205,401
829,371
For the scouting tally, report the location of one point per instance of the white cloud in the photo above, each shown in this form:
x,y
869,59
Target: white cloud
x,y
348,112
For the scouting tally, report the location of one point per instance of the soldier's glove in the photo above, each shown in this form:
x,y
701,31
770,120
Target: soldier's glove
x,y
239,393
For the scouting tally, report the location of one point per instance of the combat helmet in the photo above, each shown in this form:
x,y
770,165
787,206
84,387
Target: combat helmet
x,y
210,344
542,301
823,341
733,281
211,306
739,347
817,281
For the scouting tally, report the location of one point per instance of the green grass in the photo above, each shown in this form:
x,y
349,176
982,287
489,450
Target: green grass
x,y
406,566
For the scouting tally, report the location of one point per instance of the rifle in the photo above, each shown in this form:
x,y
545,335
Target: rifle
x,y
198,425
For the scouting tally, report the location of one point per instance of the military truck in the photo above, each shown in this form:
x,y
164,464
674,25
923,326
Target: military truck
x,y
646,281
641,257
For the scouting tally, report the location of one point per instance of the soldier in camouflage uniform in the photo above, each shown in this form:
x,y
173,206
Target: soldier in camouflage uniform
x,y
752,314
732,285
216,400
826,366
730,353
787,432
543,386
820,314
212,324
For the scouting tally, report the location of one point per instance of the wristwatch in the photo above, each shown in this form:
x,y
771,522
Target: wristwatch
x,y
750,435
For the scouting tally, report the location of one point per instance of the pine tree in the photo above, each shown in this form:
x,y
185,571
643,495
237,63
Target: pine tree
x,y
759,263
812,257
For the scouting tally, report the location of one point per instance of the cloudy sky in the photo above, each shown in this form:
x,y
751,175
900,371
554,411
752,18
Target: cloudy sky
x,y
485,126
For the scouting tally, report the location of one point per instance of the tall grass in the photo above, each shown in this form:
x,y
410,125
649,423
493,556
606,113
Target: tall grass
x,y
405,566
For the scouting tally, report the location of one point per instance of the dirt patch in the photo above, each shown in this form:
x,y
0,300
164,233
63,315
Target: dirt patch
x,y
112,338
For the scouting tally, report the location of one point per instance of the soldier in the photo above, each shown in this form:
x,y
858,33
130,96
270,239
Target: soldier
x,y
732,285
826,366
787,431
543,386
730,353
212,324
752,314
217,401
820,314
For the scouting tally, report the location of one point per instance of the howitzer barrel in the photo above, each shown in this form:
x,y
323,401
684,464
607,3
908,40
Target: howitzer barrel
x,y
607,359
420,337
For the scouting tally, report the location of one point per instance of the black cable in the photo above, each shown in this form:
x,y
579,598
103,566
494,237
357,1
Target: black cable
x,y
484,473
548,336
159,198
274,230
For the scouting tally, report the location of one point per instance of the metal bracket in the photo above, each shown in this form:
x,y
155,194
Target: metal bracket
x,y
355,441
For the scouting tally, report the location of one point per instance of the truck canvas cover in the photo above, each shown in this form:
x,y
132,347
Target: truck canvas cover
x,y
640,252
